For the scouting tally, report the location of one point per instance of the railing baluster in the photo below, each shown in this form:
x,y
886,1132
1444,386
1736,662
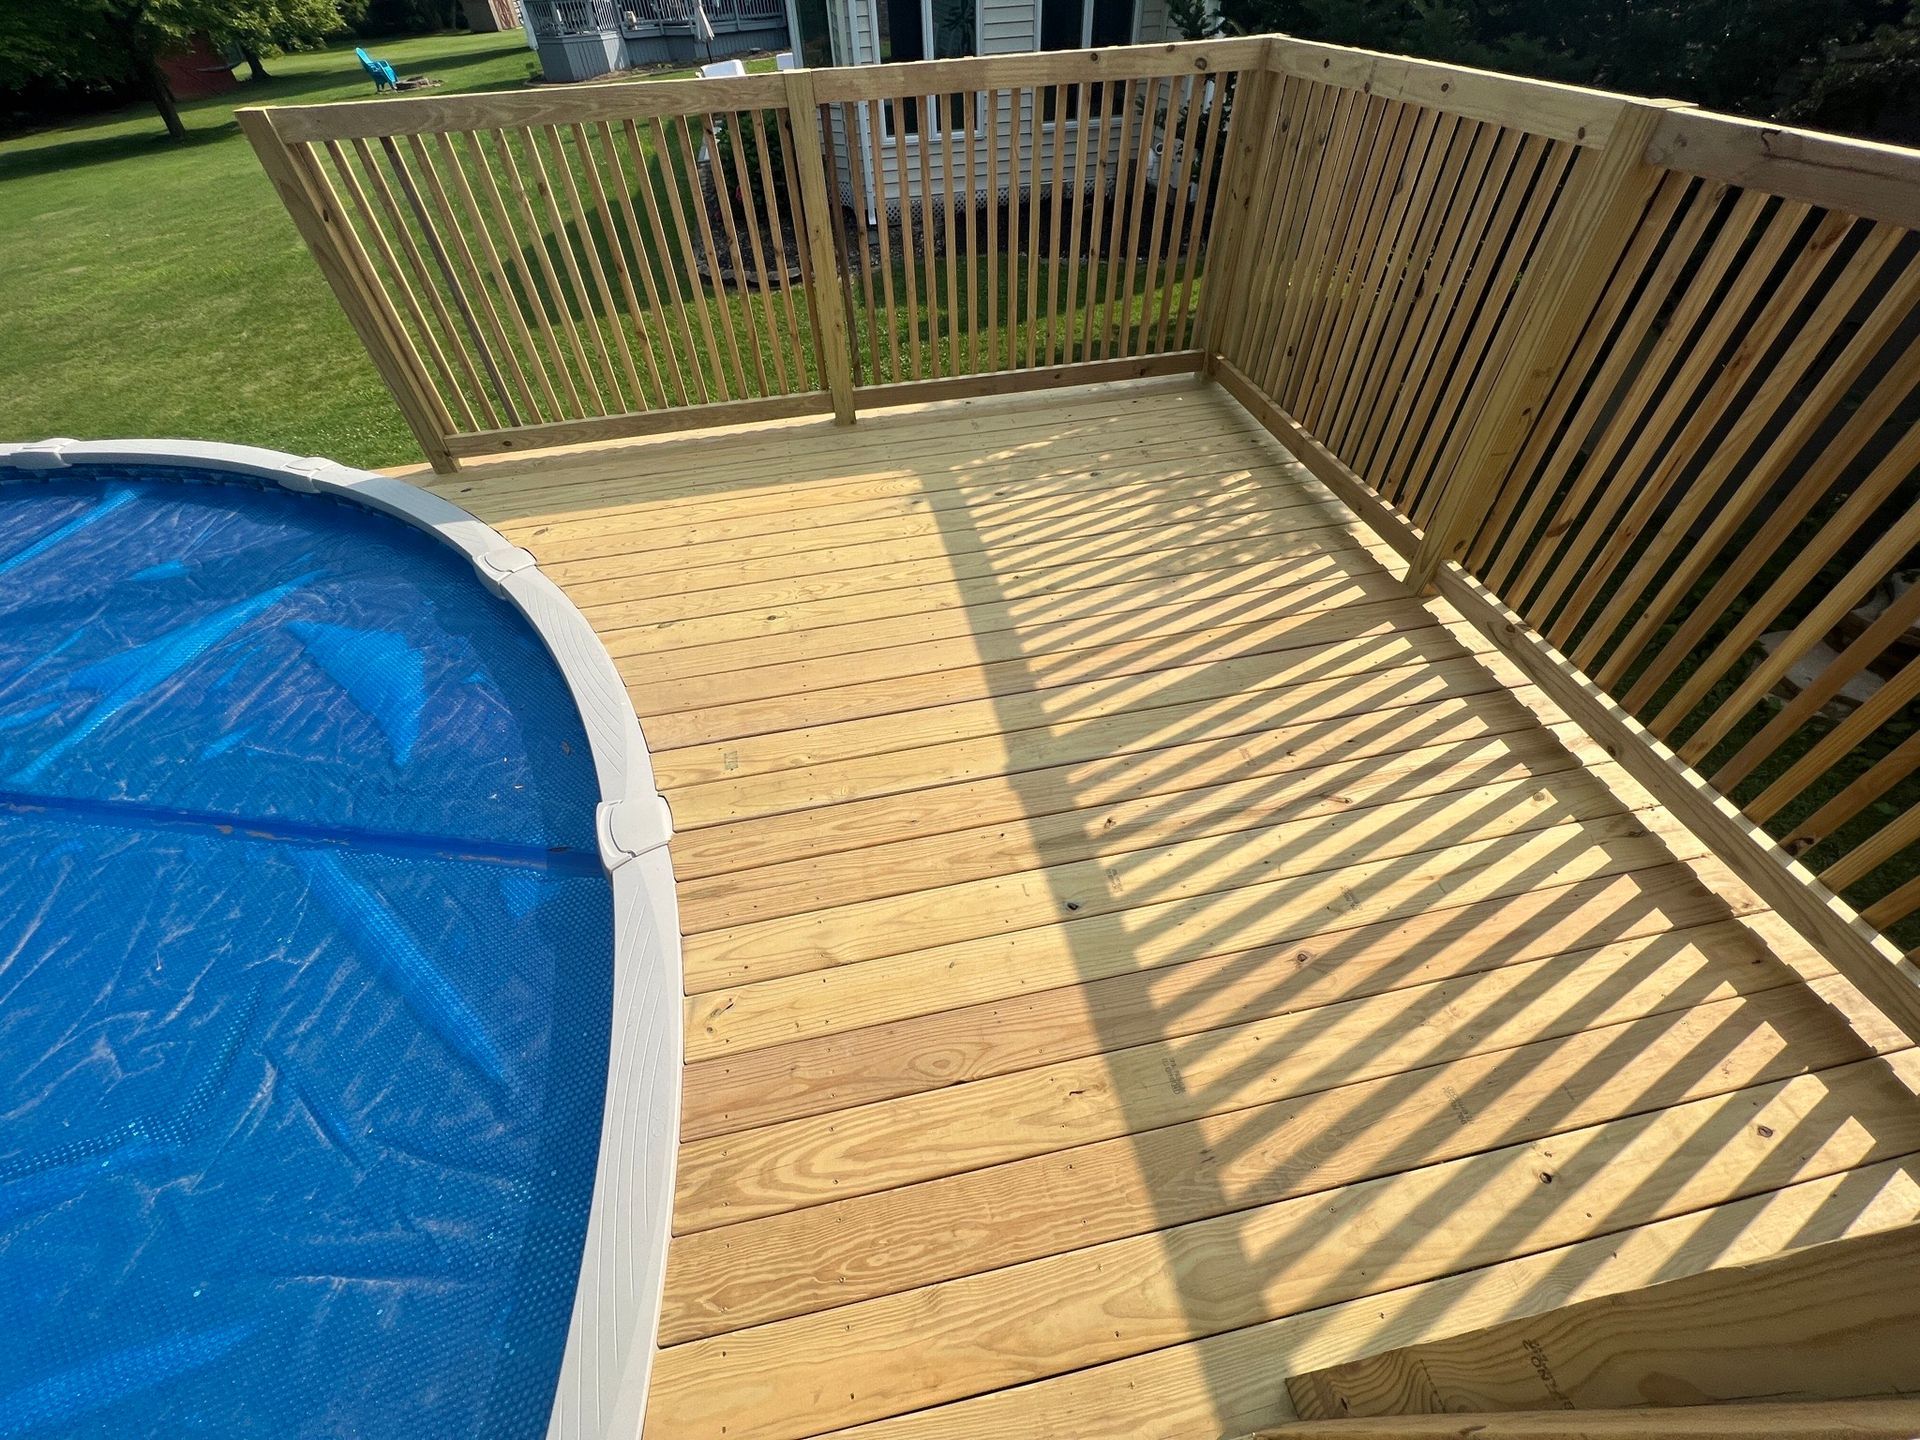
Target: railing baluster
x,y
574,219
1196,228
684,252
970,279
1032,135
1593,226
1647,471
690,157
1408,465
665,253
735,258
655,319
930,270
1071,306
503,282
554,294
1059,94
866,182
503,353
1176,225
763,281
1374,275
443,256
936,114
878,174
777,221
1556,568
384,248
555,228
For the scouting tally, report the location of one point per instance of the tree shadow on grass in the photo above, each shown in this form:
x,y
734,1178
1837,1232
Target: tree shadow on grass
x,y
211,121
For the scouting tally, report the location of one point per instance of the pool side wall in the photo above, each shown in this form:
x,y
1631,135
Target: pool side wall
x,y
616,1308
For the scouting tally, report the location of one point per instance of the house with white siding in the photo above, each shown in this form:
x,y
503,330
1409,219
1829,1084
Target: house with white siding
x,y
942,141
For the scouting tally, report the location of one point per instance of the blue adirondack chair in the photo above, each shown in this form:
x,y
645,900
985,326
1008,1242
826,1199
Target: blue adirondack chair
x,y
380,70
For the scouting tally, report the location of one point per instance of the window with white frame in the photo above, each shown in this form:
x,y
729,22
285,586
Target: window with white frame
x,y
1086,24
925,30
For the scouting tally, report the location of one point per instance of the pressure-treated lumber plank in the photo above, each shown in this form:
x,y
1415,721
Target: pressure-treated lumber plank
x,y
1109,525
861,697
1046,490
1152,935
1100,777
869,592
1159,801
929,1052
953,438
1702,1040
1224,578
1231,1383
1861,177
879,1147
768,775
862,653
1184,485
1266,849
979,1334
1882,1419
1832,1321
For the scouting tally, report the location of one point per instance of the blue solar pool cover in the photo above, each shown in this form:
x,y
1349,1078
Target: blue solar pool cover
x,y
305,972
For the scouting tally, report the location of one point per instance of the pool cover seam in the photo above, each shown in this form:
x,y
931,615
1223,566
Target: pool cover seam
x,y
118,813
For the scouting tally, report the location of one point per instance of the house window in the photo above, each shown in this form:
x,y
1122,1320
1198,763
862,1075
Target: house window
x,y
925,30
1083,25
812,32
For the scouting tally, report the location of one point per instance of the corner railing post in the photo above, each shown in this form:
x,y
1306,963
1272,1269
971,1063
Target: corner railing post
x,y
1591,229
819,213
1253,96
368,307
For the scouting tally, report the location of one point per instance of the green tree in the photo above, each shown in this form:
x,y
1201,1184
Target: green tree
x,y
1873,87
123,40
1750,56
254,26
1193,19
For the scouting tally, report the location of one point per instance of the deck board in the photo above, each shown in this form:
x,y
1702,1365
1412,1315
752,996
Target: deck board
x,y
1135,951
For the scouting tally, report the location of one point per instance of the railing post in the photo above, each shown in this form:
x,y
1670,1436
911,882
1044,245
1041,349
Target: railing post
x,y
1253,98
361,296
819,214
1590,230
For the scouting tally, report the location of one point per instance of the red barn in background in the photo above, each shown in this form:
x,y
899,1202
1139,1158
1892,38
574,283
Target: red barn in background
x,y
198,70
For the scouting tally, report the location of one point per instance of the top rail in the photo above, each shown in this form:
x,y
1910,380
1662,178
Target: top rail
x,y
1861,177
547,105
1049,67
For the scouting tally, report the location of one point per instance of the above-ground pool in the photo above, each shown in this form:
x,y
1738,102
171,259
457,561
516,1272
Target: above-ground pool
x,y
312,876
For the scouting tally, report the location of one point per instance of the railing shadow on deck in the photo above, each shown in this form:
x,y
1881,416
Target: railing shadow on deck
x,y
1568,1037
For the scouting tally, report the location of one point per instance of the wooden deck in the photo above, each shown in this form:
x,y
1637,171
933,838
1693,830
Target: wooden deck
x,y
1136,952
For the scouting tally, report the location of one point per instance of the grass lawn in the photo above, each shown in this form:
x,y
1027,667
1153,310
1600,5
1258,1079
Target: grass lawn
x,y
155,289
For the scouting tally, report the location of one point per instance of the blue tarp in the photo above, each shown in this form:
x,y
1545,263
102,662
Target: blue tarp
x,y
305,972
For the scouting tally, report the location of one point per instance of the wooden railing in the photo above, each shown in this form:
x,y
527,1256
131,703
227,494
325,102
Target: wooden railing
x,y
1034,215
1636,388
585,263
